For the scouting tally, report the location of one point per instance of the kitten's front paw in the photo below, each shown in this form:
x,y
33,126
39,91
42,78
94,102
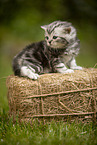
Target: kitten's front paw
x,y
77,68
65,70
33,76
25,71
69,71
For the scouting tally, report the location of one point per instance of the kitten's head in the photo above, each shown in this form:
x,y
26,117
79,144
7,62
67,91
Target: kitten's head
x,y
58,34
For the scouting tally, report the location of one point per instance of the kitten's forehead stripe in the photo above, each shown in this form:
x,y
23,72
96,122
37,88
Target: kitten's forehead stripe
x,y
52,26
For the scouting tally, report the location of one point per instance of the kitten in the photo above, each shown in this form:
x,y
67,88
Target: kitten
x,y
53,54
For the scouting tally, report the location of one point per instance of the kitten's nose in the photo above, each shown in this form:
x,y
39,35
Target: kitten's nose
x,y
50,42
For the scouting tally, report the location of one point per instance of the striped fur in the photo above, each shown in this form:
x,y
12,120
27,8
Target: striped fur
x,y
54,54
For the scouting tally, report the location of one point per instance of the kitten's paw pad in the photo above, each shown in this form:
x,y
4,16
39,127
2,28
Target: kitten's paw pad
x,y
69,71
77,68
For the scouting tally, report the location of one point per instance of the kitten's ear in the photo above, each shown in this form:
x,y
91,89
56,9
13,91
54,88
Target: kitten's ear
x,y
68,30
44,27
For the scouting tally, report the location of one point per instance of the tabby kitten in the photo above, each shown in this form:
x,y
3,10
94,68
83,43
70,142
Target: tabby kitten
x,y
53,54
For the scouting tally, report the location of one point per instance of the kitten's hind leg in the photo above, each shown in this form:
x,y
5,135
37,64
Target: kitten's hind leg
x,y
29,72
72,65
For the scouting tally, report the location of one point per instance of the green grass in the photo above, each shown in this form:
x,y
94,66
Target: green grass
x,y
53,133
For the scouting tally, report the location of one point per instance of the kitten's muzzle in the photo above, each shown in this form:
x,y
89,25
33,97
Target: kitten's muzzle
x,y
50,42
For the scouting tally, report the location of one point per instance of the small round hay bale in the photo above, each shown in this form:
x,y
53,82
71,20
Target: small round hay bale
x,y
54,95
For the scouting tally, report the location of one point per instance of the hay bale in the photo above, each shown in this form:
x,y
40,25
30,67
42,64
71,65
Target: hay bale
x,y
54,95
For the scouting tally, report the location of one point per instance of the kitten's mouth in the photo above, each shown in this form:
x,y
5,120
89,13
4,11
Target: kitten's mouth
x,y
58,46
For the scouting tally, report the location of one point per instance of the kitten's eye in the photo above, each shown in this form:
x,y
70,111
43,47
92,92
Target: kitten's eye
x,y
47,37
55,37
